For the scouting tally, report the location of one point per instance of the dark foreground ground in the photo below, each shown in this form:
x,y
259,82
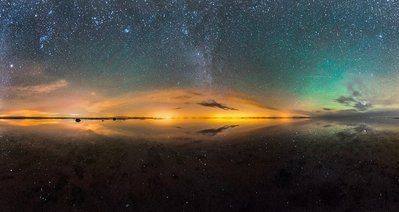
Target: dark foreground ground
x,y
305,167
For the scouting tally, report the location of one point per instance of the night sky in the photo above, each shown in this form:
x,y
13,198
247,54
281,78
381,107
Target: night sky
x,y
119,57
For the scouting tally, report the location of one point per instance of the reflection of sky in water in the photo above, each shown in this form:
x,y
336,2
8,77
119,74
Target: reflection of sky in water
x,y
180,130
158,130
188,130
332,165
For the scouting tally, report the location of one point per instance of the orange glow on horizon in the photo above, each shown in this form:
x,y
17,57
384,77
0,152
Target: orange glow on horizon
x,y
28,113
163,104
30,122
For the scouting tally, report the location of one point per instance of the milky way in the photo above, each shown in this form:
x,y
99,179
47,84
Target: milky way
x,y
311,54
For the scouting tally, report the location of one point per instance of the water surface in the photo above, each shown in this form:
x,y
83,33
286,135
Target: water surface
x,y
200,165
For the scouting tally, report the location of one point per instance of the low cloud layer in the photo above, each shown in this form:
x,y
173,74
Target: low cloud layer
x,y
155,103
354,102
43,88
357,99
366,97
29,90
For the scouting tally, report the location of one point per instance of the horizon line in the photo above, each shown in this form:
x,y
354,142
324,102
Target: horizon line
x,y
146,117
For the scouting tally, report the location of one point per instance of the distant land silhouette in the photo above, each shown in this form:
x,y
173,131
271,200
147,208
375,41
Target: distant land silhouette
x,y
79,119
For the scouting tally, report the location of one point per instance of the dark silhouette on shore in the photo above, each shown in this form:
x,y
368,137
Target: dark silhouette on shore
x,y
139,118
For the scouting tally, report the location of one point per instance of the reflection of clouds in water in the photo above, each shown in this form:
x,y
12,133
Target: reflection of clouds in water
x,y
311,165
170,130
355,132
363,129
215,131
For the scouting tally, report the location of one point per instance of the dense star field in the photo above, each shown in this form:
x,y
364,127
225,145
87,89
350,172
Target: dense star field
x,y
307,57
199,105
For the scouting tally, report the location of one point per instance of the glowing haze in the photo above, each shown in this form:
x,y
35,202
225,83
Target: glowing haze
x,y
167,103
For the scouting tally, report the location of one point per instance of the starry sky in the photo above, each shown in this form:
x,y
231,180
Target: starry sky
x,y
306,57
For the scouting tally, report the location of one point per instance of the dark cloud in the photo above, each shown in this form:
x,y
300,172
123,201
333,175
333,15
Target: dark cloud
x,y
357,104
356,93
213,103
328,109
345,100
362,106
356,100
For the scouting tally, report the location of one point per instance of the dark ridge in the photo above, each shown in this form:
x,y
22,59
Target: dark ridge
x,y
144,118
74,118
